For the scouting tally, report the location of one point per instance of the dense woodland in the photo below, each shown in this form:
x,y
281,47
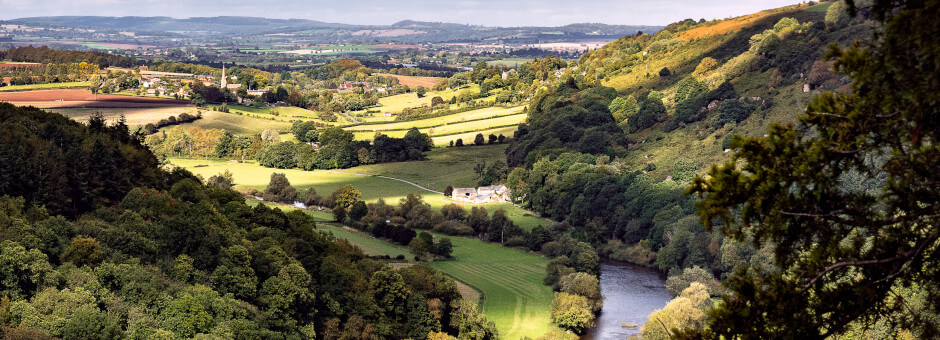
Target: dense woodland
x,y
47,55
137,252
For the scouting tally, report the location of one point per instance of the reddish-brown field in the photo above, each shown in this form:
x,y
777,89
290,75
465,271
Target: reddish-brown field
x,y
427,82
83,98
18,65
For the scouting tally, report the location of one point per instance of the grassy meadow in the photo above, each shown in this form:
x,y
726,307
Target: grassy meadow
x,y
474,115
134,116
511,280
238,124
445,166
370,245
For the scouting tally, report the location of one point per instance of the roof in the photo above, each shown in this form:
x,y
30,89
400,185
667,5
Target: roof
x,y
464,191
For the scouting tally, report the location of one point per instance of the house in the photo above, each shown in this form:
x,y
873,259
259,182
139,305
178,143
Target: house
x,y
464,194
489,194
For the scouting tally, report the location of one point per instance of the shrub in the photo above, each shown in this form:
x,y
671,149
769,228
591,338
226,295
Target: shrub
x,y
733,111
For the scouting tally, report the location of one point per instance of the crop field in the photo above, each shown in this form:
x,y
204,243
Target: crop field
x,y
514,296
238,125
413,81
480,114
399,102
133,116
77,98
284,113
468,137
31,87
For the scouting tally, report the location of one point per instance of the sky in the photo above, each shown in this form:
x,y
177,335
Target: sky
x,y
379,12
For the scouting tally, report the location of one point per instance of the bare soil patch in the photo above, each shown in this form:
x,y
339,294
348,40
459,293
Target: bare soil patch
x,y
65,98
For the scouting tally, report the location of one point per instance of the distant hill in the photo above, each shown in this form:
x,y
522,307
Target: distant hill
x,y
425,31
216,25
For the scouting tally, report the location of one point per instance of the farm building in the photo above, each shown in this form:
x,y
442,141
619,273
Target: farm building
x,y
493,193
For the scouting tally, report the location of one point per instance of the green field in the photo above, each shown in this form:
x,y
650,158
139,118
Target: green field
x,y
511,280
474,115
284,113
515,298
468,137
370,245
133,116
446,166
238,124
399,102
30,87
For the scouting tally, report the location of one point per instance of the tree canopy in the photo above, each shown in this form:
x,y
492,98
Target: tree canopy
x,y
848,199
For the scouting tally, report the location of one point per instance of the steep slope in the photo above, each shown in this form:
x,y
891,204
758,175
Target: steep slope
x,y
612,144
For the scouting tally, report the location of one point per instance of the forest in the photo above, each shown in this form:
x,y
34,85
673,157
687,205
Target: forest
x,y
138,252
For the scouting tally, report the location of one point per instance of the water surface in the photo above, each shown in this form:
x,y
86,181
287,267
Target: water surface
x,y
631,293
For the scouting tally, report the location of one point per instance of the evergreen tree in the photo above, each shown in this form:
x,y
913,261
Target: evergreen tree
x,y
848,201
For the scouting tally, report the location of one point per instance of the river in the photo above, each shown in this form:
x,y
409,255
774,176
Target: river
x,y
631,293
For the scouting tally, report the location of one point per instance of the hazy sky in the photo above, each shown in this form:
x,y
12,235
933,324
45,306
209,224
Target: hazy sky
x,y
478,12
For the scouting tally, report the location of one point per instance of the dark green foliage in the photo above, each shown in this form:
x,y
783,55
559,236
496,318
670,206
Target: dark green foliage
x,y
733,111
304,131
280,155
559,120
226,145
848,201
651,111
280,190
70,168
664,72
189,259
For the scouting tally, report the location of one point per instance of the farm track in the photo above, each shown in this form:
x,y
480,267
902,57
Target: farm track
x,y
386,177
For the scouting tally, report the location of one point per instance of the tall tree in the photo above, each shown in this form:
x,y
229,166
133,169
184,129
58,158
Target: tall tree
x,y
848,201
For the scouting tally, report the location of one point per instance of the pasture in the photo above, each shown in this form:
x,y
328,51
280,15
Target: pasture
x,y
238,124
490,112
133,116
370,245
282,113
511,280
446,166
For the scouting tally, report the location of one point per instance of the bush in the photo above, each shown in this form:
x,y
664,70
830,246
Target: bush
x,y
733,111
664,72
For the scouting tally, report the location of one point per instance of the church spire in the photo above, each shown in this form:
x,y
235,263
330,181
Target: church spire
x,y
224,81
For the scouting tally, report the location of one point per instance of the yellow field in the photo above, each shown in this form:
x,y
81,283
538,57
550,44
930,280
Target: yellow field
x,y
134,116
238,125
438,121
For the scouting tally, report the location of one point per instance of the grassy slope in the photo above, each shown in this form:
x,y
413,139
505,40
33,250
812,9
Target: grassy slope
x,y
370,245
134,116
511,280
238,125
696,143
515,298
